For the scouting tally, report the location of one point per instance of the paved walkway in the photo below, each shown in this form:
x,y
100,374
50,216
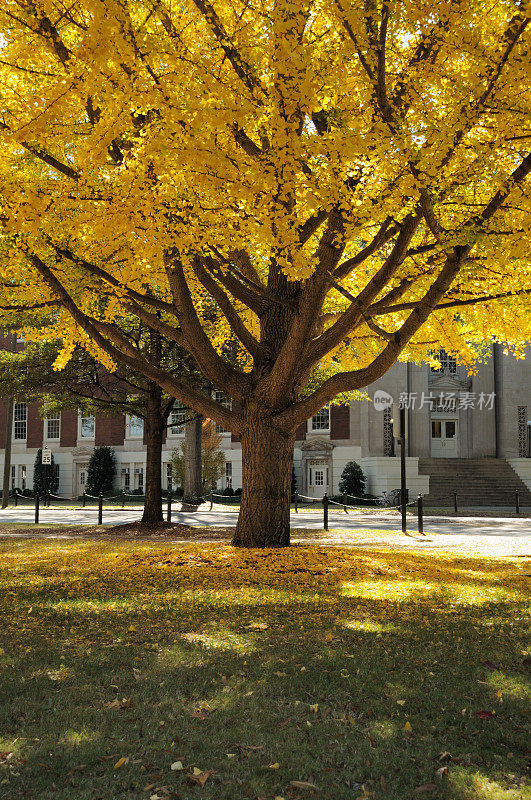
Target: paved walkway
x,y
497,536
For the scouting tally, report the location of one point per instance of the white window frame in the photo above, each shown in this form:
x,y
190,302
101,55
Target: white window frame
x,y
222,398
84,415
313,421
168,472
177,418
447,362
138,477
20,419
55,417
228,474
128,424
126,477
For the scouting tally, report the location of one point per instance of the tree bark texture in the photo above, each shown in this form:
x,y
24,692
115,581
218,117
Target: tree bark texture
x,y
267,460
193,483
155,424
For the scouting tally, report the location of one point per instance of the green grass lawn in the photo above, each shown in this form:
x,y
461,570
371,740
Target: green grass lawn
x,y
368,674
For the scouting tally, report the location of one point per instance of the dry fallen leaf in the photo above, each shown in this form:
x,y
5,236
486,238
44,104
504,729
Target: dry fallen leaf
x,y
302,785
407,729
121,762
427,787
176,765
276,765
484,714
125,702
201,777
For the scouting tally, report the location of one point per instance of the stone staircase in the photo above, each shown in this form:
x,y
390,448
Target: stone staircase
x,y
478,482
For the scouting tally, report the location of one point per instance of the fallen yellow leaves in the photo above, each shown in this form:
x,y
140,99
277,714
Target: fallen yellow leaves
x,y
199,777
117,704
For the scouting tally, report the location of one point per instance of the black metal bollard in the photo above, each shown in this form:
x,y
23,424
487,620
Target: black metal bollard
x,y
100,510
37,508
325,511
123,498
455,502
168,511
211,500
16,499
517,501
345,503
419,513
296,502
84,499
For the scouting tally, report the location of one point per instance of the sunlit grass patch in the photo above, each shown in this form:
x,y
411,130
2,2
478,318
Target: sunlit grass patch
x,y
370,626
473,784
314,658
221,640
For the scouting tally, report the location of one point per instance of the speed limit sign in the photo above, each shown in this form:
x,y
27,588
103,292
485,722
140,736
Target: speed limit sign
x,y
46,457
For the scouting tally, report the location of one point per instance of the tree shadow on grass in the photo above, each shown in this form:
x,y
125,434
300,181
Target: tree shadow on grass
x,y
199,655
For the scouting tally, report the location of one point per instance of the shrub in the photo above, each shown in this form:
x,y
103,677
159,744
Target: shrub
x,y
238,492
352,480
228,492
101,471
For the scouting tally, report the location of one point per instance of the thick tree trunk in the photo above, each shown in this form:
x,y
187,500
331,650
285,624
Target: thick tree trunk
x,y
267,459
193,483
153,484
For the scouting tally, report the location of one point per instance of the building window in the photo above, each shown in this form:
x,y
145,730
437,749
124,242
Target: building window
x,y
135,427
20,420
126,479
522,432
52,426
177,419
169,475
87,425
321,420
389,442
23,477
447,362
228,474
223,400
13,478
139,478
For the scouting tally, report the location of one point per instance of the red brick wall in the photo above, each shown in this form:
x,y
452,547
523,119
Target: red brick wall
x,y
68,428
340,422
35,426
110,429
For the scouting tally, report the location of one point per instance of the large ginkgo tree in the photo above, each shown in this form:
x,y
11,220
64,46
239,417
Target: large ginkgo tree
x,y
345,183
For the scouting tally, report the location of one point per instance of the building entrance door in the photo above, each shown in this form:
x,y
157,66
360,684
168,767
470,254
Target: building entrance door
x,y
317,478
444,442
82,471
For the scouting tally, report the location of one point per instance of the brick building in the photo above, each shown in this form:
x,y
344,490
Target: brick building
x,y
461,427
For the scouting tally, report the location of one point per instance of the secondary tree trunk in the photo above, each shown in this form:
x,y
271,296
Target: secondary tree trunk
x,y
193,483
155,425
267,461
